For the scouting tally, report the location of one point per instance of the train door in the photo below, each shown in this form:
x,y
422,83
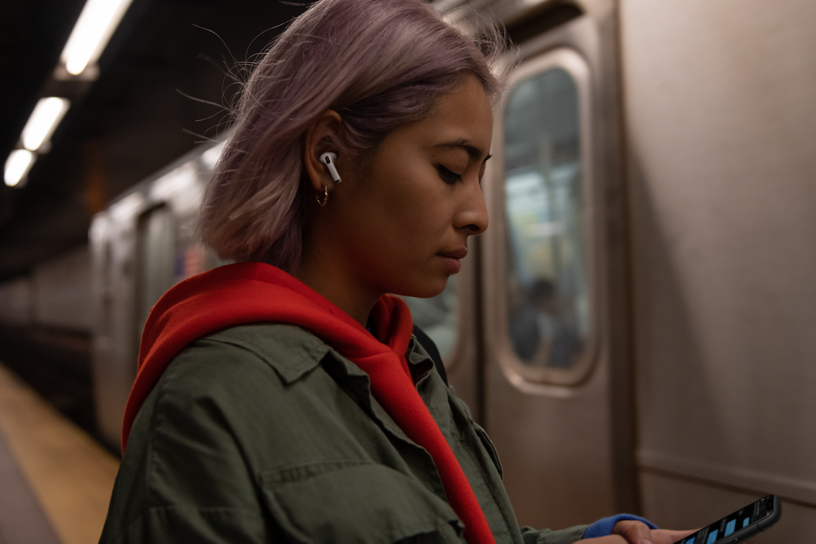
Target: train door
x,y
155,274
104,289
556,398
133,260
117,237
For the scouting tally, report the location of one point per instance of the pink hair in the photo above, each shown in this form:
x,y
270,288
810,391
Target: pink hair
x,y
379,63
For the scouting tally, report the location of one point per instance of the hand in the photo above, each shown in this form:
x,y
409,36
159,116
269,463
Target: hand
x,y
637,532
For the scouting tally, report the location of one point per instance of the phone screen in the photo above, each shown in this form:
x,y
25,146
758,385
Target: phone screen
x,y
719,531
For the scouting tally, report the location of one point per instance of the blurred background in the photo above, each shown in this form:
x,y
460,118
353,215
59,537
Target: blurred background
x,y
145,82
154,86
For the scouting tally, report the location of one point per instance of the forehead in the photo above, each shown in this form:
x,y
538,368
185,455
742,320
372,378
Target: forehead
x,y
460,119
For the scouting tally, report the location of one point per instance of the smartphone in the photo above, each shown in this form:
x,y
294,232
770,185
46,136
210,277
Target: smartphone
x,y
742,524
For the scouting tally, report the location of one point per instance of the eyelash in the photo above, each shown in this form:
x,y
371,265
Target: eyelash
x,y
447,176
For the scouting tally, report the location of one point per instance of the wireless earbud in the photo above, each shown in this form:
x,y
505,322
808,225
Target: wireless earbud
x,y
328,160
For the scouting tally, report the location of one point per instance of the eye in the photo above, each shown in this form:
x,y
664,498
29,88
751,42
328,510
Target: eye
x,y
448,176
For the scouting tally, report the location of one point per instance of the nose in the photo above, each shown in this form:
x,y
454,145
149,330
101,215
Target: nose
x,y
472,215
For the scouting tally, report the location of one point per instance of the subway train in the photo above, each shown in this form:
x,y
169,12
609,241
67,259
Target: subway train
x,y
634,329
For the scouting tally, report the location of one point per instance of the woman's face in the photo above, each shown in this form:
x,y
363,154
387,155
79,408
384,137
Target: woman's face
x,y
403,226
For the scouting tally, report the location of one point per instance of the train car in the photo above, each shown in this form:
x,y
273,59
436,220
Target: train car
x,y
634,328
45,332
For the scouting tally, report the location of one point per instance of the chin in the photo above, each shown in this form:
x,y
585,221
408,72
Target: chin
x,y
428,288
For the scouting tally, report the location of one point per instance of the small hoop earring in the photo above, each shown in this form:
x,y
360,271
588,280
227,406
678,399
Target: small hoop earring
x,y
325,197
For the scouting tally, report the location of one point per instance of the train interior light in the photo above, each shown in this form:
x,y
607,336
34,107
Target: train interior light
x,y
96,24
43,121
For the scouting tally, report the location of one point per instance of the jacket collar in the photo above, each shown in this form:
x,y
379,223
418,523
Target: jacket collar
x,y
305,351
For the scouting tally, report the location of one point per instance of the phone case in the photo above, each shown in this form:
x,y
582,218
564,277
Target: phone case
x,y
745,533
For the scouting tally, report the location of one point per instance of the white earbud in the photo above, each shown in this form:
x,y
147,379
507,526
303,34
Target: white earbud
x,y
328,160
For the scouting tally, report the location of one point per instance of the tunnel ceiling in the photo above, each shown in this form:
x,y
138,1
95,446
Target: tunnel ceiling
x,y
129,122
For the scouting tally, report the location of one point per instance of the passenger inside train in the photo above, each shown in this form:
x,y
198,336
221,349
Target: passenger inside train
x,y
288,396
540,331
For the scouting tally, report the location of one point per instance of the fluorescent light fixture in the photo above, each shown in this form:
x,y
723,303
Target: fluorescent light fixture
x,y
44,119
18,164
98,20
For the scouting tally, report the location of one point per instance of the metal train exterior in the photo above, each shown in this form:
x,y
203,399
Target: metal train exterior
x,y
634,328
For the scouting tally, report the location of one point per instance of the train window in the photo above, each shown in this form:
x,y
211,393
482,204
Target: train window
x,y
439,318
547,295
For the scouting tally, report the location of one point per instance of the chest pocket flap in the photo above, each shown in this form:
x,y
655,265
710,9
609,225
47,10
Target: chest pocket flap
x,y
356,502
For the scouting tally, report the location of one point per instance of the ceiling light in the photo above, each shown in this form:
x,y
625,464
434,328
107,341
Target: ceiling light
x,y
17,166
44,119
98,20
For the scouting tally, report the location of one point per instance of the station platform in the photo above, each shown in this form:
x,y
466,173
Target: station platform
x,y
55,480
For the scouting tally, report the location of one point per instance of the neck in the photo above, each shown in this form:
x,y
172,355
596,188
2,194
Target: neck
x,y
332,283
326,269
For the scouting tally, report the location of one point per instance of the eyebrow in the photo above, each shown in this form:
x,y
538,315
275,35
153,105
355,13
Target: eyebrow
x,y
461,143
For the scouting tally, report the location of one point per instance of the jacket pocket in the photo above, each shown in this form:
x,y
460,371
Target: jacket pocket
x,y
350,501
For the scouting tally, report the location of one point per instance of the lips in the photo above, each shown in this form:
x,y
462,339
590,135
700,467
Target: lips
x,y
455,254
452,259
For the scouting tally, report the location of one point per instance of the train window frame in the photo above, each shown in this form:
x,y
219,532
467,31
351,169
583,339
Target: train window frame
x,y
545,380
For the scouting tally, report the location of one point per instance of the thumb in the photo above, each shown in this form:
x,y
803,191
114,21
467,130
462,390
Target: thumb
x,y
635,532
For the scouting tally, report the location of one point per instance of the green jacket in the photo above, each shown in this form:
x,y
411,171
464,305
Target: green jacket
x,y
263,433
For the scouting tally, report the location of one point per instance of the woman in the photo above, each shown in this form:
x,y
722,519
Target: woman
x,y
284,398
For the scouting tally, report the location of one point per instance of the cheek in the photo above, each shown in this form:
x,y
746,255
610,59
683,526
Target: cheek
x,y
417,196
402,205
415,216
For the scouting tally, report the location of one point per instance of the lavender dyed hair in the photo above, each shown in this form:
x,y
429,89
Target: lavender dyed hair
x,y
380,64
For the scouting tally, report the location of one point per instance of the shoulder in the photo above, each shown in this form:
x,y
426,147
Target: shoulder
x,y
244,355
235,382
249,389
271,340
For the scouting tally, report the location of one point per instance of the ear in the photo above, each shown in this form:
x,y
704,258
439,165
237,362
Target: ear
x,y
323,135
